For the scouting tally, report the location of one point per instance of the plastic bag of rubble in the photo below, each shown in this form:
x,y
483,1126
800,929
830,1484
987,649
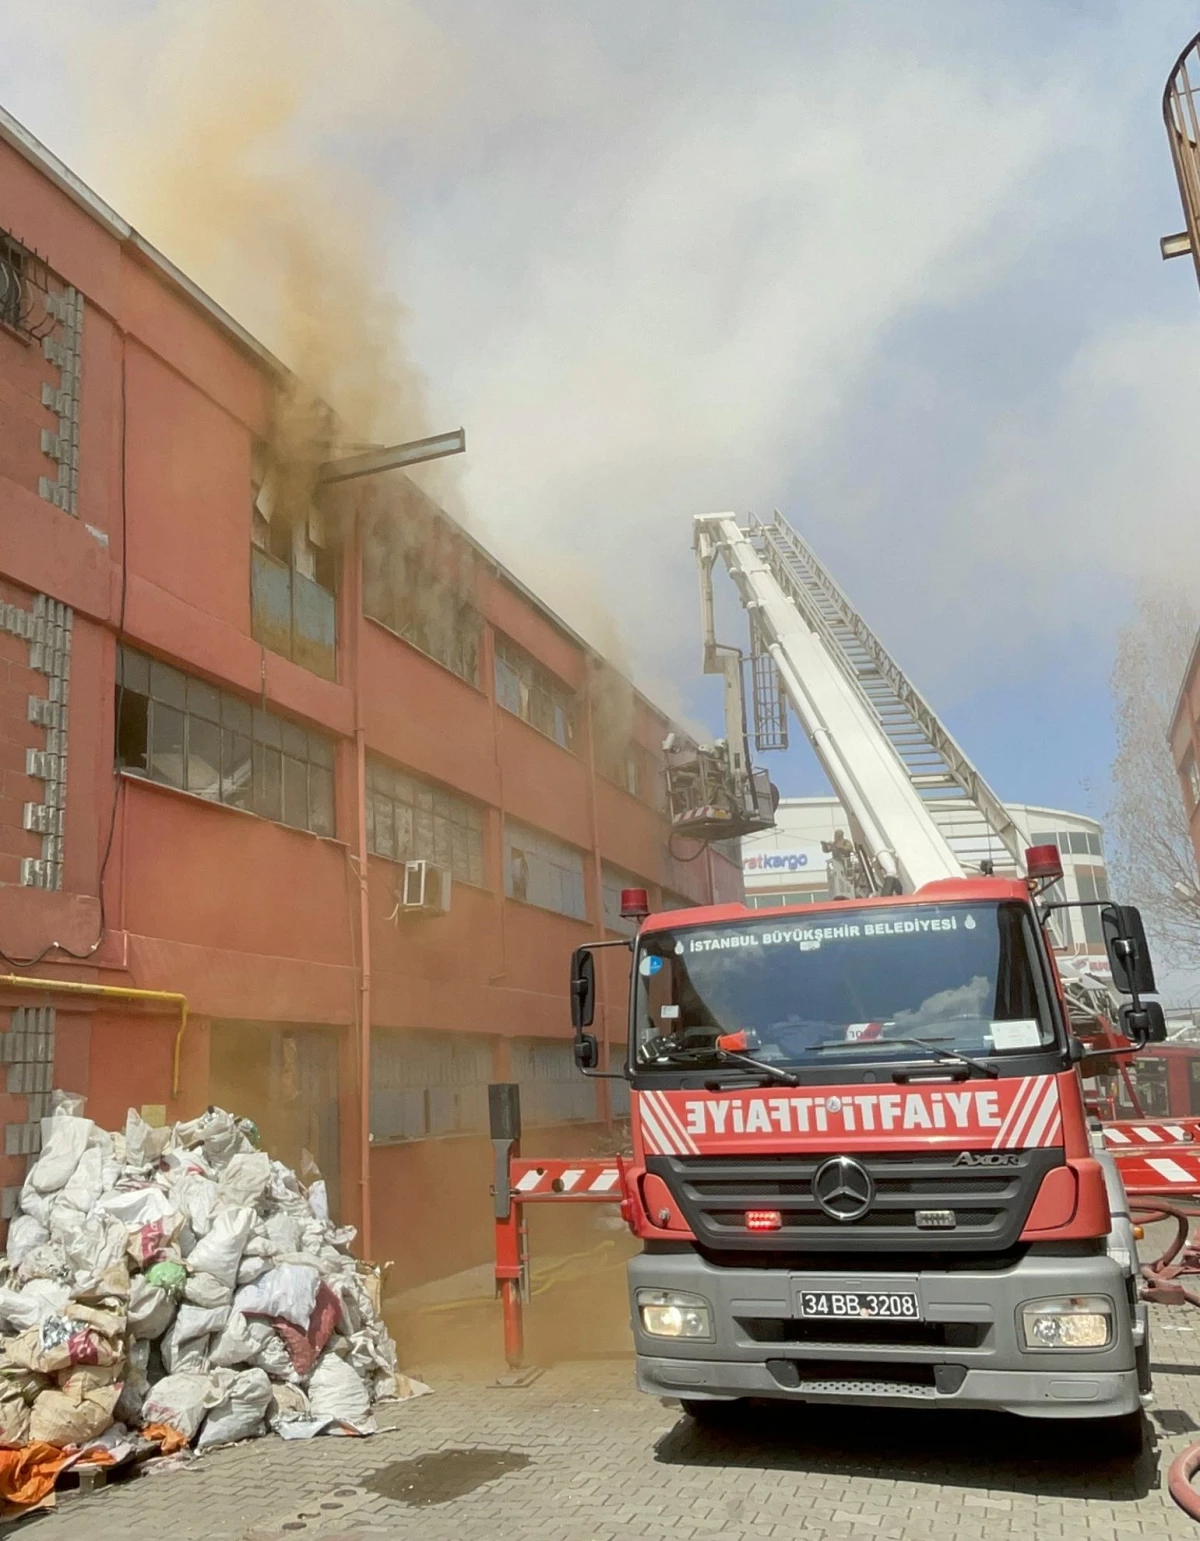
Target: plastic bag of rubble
x,y
180,1401
218,1254
64,1140
337,1393
245,1179
151,1310
289,1291
24,1233
78,1410
184,1345
144,1144
241,1410
135,1386
27,1307
218,1135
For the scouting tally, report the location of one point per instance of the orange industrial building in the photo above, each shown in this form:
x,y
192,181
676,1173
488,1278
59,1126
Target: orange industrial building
x,y
222,737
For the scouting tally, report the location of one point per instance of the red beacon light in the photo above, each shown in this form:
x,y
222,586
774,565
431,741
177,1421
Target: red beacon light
x,y
764,1220
1044,865
635,904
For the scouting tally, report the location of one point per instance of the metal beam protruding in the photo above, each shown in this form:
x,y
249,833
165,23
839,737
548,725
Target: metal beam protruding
x,y
372,461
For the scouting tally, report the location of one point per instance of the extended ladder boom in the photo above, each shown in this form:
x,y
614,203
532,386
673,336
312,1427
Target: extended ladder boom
x,y
885,811
917,807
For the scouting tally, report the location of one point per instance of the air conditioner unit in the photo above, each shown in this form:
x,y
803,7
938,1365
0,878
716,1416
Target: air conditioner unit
x,y
425,889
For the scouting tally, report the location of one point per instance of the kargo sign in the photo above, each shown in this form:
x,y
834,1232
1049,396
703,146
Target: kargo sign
x,y
1010,1114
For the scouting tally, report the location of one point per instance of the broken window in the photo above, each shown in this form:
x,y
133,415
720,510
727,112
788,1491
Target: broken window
x,y
528,691
293,577
185,733
418,579
538,869
1192,777
409,820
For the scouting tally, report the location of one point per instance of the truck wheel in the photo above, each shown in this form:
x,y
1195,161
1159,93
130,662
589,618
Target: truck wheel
x,y
712,1415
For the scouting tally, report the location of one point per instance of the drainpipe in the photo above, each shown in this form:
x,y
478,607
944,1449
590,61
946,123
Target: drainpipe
x,y
364,905
597,880
114,993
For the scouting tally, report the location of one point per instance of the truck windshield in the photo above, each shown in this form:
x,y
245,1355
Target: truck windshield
x,y
844,986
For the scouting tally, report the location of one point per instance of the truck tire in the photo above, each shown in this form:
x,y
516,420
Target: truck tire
x,y
712,1415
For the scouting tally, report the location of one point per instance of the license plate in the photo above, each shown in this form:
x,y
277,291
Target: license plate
x,y
866,1305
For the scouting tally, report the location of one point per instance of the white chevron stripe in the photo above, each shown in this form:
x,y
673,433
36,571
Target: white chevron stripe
x,y
650,1126
529,1181
1169,1169
1017,1134
1038,1131
1149,1136
671,1121
569,1179
605,1182
1115,1137
1022,1093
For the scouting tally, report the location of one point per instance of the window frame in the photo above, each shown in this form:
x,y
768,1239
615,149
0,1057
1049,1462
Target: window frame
x,y
526,684
425,800
268,741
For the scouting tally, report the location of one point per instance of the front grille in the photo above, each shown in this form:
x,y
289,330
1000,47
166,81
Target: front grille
x,y
872,1334
989,1207
848,1378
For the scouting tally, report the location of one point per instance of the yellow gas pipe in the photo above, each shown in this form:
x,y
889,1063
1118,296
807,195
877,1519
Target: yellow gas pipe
x,y
112,992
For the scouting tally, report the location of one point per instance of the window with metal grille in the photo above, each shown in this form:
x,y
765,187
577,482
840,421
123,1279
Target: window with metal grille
x,y
183,732
541,870
409,820
428,1084
552,1089
11,263
532,693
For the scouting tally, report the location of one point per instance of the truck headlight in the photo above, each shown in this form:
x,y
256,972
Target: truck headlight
x,y
670,1314
1068,1321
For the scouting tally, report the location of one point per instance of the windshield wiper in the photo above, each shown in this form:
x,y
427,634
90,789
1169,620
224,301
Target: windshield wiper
x,y
730,1057
934,1050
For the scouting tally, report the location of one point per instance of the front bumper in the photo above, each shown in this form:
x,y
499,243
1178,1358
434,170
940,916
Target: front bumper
x,y
977,1361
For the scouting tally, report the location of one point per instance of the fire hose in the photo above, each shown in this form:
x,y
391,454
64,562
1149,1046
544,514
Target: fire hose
x,y
1163,1288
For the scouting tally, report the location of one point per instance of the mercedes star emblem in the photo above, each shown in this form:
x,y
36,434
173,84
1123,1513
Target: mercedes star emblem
x,y
843,1188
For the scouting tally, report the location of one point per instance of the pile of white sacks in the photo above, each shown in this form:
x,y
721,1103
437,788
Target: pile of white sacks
x,y
180,1277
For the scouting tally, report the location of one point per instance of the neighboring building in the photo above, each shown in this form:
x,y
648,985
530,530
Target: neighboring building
x,y
213,724
786,865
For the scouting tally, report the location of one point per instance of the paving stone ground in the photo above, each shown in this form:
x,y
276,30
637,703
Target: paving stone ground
x,y
581,1456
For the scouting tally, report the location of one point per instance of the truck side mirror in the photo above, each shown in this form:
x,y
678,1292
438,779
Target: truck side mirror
x,y
1128,951
587,1051
1144,1024
583,989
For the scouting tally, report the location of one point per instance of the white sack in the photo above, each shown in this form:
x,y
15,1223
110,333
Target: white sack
x,y
64,1140
206,1291
251,1268
318,1201
240,1412
289,1291
150,1309
337,1391
24,1233
86,1182
220,1251
135,1207
196,1197
236,1345
245,1179
180,1401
